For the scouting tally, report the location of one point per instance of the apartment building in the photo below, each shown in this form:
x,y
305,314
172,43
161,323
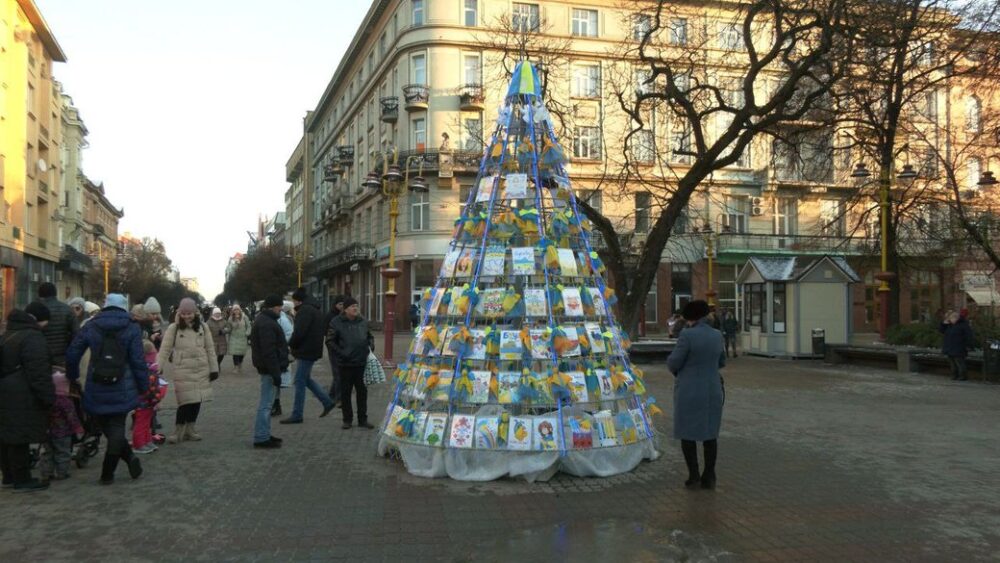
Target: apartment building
x,y
420,86
74,264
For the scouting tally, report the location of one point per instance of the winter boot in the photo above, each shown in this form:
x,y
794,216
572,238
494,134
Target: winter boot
x,y
711,452
191,434
179,435
108,469
690,449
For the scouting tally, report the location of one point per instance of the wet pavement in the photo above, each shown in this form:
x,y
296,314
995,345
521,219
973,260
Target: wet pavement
x,y
816,463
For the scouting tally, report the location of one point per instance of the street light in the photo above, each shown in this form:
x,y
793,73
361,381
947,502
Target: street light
x,y
709,236
300,256
105,258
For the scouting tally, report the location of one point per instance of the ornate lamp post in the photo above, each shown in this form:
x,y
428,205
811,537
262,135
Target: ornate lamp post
x,y
392,184
300,257
105,257
711,241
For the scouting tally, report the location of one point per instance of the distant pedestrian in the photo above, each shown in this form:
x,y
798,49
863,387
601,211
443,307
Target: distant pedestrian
x,y
351,342
337,310
415,313
156,324
62,324
64,424
239,334
188,360
698,392
306,345
219,328
269,354
26,395
958,340
142,418
116,377
286,322
730,328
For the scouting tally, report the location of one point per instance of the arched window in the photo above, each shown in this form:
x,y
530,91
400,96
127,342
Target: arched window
x,y
973,111
974,173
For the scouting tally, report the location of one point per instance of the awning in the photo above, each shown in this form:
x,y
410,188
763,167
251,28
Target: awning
x,y
985,297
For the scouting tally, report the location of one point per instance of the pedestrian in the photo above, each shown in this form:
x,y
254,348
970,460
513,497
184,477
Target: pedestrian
x,y
415,313
64,424
958,340
239,334
116,377
142,418
698,392
287,327
730,326
76,306
219,328
269,351
338,308
154,313
186,359
26,395
61,326
713,318
306,345
351,342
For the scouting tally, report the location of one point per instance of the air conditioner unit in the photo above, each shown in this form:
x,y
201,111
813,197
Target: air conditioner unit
x,y
756,206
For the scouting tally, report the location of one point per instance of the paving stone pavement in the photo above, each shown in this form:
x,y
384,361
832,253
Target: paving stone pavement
x,y
816,463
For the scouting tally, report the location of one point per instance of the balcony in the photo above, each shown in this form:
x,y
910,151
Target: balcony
x,y
390,109
458,160
332,172
342,258
757,244
416,96
43,131
72,260
345,155
471,98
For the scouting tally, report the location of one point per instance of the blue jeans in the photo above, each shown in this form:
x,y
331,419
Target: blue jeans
x,y
262,426
303,379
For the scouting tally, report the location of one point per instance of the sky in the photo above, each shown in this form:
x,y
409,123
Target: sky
x,y
194,107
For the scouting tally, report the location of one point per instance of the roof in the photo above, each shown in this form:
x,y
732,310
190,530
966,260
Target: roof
x,y
42,29
794,268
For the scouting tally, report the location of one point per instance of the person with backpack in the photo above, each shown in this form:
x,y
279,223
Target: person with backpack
x,y
116,376
187,357
26,395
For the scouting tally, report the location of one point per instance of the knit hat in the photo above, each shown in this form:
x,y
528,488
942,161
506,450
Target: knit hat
x,y
61,383
272,301
287,306
338,299
138,310
152,306
300,294
348,301
38,310
90,307
187,305
116,300
76,302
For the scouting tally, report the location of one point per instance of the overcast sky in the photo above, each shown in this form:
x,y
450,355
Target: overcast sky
x,y
194,106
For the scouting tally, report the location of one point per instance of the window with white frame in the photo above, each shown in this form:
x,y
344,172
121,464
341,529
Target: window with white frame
x,y
418,129
643,81
785,214
418,12
678,32
418,68
586,81
973,114
584,23
420,211
731,37
680,143
526,18
472,67
587,143
650,307
975,172
471,13
736,214
593,199
643,203
643,147
641,25
472,132
833,218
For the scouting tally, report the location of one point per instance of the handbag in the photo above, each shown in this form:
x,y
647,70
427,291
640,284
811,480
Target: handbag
x,y
373,370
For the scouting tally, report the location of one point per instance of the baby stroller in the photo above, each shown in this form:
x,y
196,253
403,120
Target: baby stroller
x,y
88,446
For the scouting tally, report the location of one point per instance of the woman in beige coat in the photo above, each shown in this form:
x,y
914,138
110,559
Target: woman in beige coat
x,y
187,357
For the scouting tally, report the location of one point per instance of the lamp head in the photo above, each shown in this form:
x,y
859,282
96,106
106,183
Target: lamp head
x,y
907,173
418,184
371,181
393,174
860,171
987,179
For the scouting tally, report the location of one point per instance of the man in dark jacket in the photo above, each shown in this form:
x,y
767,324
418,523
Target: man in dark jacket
x,y
958,339
337,310
351,342
306,344
62,324
269,354
110,399
26,395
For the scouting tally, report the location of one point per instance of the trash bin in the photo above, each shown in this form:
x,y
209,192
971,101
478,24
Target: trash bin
x,y
991,360
819,341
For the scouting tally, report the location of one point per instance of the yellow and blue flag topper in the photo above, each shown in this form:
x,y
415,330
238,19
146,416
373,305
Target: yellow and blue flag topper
x,y
525,81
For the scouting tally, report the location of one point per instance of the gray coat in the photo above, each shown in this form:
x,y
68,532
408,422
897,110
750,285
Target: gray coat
x,y
695,361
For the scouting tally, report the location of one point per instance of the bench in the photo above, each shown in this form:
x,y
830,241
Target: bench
x,y
907,360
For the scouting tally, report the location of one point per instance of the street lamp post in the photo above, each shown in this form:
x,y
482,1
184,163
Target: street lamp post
x,y
392,184
300,256
105,258
709,236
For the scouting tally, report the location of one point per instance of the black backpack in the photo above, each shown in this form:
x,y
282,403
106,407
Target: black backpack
x,y
111,361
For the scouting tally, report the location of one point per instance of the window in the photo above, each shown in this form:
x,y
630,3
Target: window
x,y
643,84
587,143
832,217
526,18
418,12
736,213
974,173
680,144
678,32
472,69
753,306
471,14
643,147
419,132
586,81
31,99
641,25
642,205
928,108
472,133
785,215
420,211
369,227
731,37
29,218
593,199
418,65
381,45
973,111
464,192
584,23
381,229
778,307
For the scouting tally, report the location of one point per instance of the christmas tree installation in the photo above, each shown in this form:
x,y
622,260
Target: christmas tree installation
x,y
518,367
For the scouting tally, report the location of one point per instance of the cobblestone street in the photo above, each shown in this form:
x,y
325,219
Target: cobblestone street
x,y
816,463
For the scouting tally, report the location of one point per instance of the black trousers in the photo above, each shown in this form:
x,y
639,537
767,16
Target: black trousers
x,y
221,357
15,463
113,428
188,414
336,384
353,378
237,360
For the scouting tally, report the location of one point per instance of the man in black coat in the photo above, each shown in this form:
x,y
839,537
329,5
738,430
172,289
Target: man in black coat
x,y
350,342
26,395
958,340
269,354
337,310
306,344
62,324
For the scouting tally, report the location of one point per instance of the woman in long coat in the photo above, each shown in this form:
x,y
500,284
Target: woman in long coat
x,y
187,357
26,394
698,395
219,327
239,331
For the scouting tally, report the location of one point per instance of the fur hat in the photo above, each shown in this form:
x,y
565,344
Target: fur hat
x,y
187,305
90,307
695,310
272,301
76,302
38,310
152,306
116,300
